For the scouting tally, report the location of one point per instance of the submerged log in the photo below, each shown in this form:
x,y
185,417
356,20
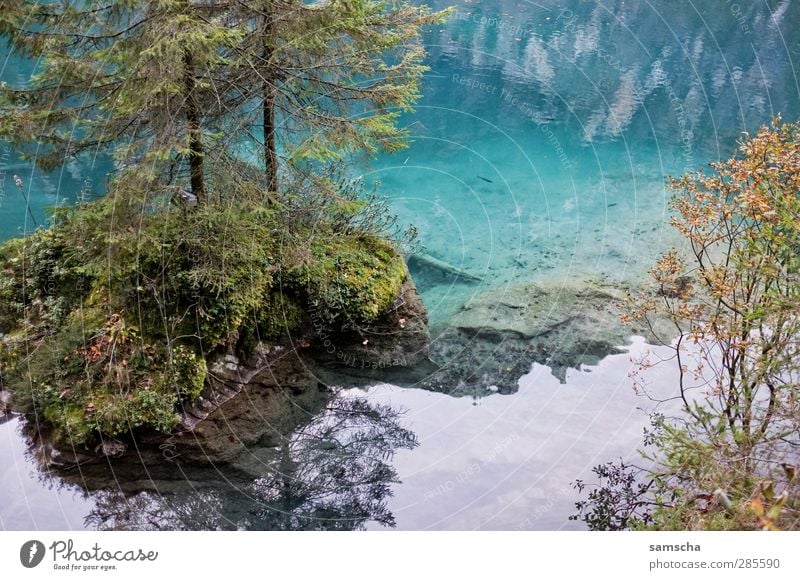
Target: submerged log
x,y
422,261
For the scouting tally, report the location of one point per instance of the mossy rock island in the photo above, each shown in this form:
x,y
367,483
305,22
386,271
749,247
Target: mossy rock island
x,y
113,335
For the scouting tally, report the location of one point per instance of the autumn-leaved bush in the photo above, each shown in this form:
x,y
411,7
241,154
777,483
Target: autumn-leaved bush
x,y
728,460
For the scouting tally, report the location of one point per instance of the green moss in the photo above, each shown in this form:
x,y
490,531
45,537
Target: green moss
x,y
278,317
188,374
350,279
119,414
11,255
97,375
69,423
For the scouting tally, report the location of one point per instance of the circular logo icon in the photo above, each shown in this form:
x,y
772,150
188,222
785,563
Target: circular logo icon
x,y
31,553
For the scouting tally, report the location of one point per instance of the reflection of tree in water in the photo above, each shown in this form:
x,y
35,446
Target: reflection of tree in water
x,y
332,473
194,510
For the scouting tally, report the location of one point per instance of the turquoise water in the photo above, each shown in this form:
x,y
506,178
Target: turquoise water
x,y
540,151
577,113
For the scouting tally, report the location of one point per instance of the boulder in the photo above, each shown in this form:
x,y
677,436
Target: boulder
x,y
5,403
393,347
257,400
499,334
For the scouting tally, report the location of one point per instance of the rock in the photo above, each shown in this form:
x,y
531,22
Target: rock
x,y
227,376
255,397
577,313
495,339
271,393
111,448
52,456
280,393
394,346
430,267
6,411
277,387
499,334
430,272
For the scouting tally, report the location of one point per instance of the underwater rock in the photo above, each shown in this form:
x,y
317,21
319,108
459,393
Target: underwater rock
x,y
430,272
499,334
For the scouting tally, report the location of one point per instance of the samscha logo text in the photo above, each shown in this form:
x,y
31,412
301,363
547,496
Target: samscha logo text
x,y
31,553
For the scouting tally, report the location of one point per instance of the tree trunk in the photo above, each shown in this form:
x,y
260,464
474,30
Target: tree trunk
x,y
270,152
196,171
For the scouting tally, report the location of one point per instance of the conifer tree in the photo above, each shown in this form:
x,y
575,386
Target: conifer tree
x,y
124,77
330,77
167,85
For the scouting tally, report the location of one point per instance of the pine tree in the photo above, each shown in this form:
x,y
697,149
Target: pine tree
x,y
168,85
330,77
172,89
126,77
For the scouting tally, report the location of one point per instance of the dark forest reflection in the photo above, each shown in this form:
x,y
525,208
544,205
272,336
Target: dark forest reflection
x,y
333,473
690,75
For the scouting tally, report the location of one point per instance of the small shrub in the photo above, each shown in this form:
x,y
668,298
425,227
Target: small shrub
x,y
350,280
